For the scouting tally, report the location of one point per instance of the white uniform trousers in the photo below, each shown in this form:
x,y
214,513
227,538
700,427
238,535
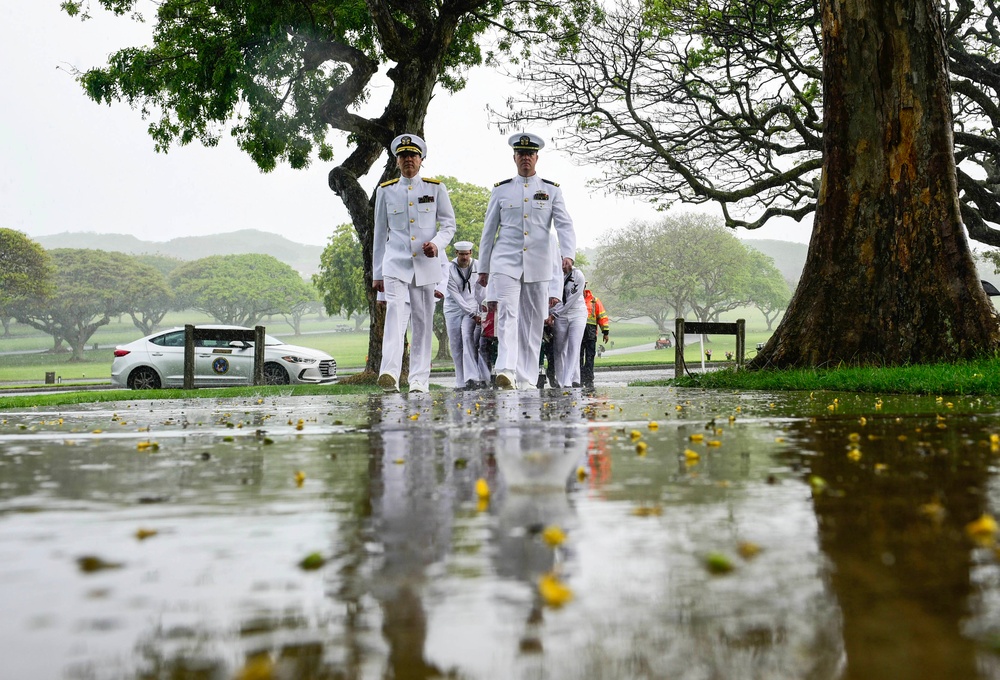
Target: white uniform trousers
x,y
521,311
464,347
405,304
568,334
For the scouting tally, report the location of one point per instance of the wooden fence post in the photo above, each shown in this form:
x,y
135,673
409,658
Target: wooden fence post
x,y
258,355
679,348
188,357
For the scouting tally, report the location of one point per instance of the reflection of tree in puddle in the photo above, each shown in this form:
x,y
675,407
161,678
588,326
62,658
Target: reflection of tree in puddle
x,y
892,498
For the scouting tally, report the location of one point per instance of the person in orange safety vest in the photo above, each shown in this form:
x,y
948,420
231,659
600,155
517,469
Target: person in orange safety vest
x,y
596,316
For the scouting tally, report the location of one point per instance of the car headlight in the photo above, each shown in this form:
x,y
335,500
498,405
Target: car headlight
x,y
292,359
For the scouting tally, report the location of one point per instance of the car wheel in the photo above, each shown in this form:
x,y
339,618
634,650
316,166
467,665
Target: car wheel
x,y
274,374
144,378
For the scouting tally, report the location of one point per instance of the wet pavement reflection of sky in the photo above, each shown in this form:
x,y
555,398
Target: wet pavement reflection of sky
x,y
630,533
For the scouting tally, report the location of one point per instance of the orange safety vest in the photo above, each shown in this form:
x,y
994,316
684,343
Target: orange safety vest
x,y
596,314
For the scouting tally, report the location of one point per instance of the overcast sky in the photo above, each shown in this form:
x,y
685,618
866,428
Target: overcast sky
x,y
72,165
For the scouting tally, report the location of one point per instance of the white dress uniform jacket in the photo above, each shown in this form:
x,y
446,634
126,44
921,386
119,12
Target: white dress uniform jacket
x,y
516,234
408,213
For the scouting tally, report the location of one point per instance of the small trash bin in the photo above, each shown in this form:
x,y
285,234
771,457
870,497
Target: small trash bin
x,y
50,377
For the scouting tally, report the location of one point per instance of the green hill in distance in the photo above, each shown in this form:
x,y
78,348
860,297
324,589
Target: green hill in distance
x,y
303,258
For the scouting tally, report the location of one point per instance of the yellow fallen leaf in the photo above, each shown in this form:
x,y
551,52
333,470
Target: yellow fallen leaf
x,y
933,511
415,416
640,448
300,478
143,534
581,473
554,592
482,489
260,667
653,425
635,434
648,511
553,536
696,437
748,549
691,455
713,442
982,529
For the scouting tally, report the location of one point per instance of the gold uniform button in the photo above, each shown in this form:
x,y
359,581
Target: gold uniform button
x,y
411,202
526,249
413,238
525,200
409,188
411,220
525,217
525,233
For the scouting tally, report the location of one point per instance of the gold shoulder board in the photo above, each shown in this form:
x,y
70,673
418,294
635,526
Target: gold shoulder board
x,y
389,182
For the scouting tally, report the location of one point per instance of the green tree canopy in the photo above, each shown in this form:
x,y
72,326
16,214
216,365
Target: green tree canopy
x,y
769,291
153,297
162,263
239,289
90,286
341,277
666,268
25,269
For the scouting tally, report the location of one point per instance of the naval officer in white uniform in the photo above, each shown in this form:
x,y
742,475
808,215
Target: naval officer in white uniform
x,y
414,222
516,255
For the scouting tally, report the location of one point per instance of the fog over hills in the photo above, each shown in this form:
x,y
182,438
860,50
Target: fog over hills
x,y
303,258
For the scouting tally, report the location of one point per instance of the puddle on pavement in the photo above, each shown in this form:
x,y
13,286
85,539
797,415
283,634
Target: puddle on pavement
x,y
502,535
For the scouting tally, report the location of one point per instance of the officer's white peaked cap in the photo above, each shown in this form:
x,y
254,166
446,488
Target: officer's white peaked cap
x,y
409,142
525,141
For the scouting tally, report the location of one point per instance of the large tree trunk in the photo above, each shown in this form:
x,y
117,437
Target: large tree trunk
x,y
889,277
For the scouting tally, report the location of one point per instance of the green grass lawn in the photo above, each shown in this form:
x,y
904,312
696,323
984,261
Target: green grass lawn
x,y
349,348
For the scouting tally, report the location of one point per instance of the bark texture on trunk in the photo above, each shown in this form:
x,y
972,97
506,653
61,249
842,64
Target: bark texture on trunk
x,y
889,276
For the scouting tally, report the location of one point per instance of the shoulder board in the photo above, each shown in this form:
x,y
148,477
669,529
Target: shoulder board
x,y
509,179
432,181
388,183
549,181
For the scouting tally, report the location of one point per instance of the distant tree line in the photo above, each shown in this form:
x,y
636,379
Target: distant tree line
x,y
69,293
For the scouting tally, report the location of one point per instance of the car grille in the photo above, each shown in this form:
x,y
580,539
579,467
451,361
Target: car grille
x,y
328,368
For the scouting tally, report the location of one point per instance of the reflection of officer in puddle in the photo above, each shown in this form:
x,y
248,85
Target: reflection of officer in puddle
x,y
533,532
414,492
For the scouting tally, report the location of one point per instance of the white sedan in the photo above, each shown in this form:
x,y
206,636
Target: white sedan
x,y
157,361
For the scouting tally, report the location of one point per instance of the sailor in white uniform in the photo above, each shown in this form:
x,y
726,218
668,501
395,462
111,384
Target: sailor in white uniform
x,y
569,320
516,255
461,316
414,222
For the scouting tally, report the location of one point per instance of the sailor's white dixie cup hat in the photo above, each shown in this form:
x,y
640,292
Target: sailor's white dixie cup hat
x,y
462,246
